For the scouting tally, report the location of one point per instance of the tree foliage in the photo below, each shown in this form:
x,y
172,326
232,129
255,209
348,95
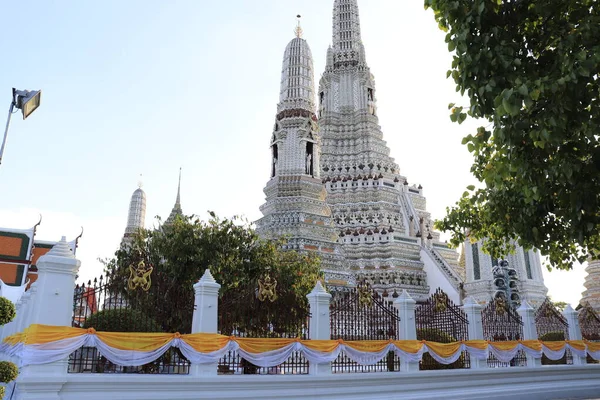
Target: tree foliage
x,y
235,256
530,69
8,370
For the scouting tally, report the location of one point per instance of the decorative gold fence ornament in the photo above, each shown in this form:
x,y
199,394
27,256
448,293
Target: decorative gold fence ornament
x,y
266,289
500,306
140,276
365,297
441,302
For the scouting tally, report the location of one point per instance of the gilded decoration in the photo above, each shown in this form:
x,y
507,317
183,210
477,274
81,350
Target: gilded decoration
x,y
140,276
267,289
441,301
365,298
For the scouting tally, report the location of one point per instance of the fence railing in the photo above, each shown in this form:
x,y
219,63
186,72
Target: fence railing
x,y
106,304
501,322
363,314
552,326
438,319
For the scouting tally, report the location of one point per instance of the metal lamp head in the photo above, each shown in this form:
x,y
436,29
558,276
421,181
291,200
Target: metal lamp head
x,y
27,101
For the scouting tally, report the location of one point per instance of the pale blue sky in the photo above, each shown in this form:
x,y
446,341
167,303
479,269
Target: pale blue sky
x,y
146,86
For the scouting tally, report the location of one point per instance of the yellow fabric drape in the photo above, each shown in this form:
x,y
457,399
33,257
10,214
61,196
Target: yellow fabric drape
x,y
135,341
41,334
208,343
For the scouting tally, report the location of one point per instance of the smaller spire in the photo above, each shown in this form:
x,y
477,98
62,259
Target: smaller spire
x,y
178,200
177,207
140,182
298,29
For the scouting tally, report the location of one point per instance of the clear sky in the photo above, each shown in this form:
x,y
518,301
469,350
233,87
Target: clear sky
x,y
147,86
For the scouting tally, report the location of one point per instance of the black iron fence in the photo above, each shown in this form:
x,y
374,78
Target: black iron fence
x,y
438,319
289,325
108,304
501,323
363,314
552,326
589,322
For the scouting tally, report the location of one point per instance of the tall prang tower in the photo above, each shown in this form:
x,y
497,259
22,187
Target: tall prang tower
x,y
136,218
382,222
591,295
295,206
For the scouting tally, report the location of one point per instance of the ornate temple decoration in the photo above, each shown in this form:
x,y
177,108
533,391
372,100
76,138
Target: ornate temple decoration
x,y
440,301
140,276
365,295
295,205
591,295
266,289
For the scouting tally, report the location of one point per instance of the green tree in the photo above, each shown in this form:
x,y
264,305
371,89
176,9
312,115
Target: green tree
x,y
180,253
530,69
8,370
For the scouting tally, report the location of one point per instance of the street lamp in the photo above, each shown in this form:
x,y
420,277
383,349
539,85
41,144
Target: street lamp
x,y
25,100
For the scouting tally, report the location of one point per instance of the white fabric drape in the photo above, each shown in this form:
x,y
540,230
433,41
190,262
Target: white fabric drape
x,y
32,354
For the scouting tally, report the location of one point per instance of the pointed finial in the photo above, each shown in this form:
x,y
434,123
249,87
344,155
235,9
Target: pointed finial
x,y
61,249
140,182
298,28
178,201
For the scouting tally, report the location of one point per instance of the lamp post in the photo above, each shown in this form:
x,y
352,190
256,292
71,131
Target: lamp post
x,y
25,100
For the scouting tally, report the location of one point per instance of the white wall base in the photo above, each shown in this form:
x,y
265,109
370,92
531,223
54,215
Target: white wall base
x,y
551,382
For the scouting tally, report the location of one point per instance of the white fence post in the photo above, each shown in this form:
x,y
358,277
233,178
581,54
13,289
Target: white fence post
x,y
529,330
407,327
206,316
320,325
53,305
572,318
473,310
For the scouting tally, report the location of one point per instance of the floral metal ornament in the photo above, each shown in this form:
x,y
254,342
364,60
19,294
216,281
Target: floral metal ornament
x,y
140,276
266,289
500,306
441,302
365,298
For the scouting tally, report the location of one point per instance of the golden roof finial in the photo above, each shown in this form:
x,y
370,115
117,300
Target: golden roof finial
x,y
298,28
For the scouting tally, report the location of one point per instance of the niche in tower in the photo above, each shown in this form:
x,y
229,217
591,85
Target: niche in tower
x,y
309,159
275,160
321,103
371,101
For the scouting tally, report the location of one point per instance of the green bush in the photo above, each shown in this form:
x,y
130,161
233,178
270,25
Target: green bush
x,y
438,336
7,311
8,371
556,336
122,320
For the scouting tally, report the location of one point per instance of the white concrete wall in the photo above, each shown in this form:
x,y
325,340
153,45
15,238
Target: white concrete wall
x,y
552,382
437,279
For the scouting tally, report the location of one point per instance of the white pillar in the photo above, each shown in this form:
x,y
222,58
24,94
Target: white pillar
x,y
206,316
53,306
25,305
572,318
320,325
529,330
473,310
407,327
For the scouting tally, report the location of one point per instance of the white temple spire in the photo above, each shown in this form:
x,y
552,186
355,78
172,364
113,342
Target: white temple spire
x,y
297,89
346,26
137,211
